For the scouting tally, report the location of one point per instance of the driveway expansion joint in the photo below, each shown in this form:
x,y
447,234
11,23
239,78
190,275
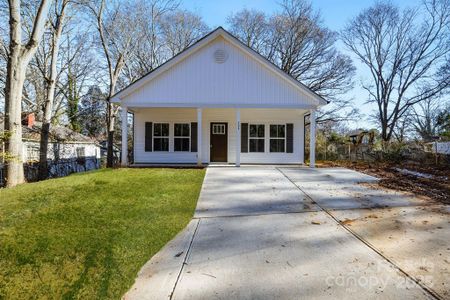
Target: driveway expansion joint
x,y
188,251
428,290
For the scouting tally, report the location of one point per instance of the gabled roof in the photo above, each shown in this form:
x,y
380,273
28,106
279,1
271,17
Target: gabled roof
x,y
199,45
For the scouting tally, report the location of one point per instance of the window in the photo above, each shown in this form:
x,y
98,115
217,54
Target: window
x,y
218,129
277,138
33,153
80,152
182,137
161,137
256,138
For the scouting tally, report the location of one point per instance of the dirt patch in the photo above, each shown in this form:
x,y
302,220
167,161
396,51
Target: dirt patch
x,y
436,188
348,222
372,216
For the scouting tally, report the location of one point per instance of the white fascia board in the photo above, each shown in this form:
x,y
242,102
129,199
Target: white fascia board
x,y
209,105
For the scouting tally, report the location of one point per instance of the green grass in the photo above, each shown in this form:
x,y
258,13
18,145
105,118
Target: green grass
x,y
87,235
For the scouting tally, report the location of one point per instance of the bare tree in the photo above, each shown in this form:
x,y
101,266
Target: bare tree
x,y
117,39
425,118
57,23
151,50
75,65
305,49
19,55
403,128
182,28
407,54
80,69
252,28
296,41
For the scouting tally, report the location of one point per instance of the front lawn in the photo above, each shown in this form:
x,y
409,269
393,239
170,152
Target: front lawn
x,y
87,235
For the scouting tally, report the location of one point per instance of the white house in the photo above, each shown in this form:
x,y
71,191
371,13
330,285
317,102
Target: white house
x,y
68,151
218,101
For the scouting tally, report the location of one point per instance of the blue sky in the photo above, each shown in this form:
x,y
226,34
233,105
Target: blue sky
x,y
335,14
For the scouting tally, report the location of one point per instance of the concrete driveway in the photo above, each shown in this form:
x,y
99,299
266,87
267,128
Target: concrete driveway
x,y
267,232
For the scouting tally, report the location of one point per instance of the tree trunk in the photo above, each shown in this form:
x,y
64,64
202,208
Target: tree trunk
x,y
114,72
384,130
13,120
110,149
15,78
45,130
111,115
43,150
18,59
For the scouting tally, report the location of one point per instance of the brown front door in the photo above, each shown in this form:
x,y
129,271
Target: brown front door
x,y
219,142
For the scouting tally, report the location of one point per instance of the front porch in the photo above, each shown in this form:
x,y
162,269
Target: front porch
x,y
200,136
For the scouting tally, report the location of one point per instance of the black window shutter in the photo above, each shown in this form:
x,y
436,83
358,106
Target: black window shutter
x,y
244,137
193,137
289,138
148,136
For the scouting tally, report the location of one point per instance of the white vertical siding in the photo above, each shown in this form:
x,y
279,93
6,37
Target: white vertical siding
x,y
185,115
240,81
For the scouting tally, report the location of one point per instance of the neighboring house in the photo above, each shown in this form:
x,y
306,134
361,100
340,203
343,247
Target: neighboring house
x,y
362,137
68,151
64,144
218,101
361,146
438,147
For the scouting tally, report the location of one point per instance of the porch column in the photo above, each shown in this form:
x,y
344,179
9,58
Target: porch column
x,y
199,136
124,136
238,137
312,139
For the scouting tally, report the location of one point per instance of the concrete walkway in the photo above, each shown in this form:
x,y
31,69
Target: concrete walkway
x,y
267,232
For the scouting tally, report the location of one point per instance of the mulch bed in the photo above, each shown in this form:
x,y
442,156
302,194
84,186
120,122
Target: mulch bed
x,y
436,188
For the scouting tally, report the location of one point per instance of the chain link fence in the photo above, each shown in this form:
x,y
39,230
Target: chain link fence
x,y
412,152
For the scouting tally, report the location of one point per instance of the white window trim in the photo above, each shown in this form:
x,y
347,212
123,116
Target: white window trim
x,y
156,137
183,137
256,138
80,149
32,153
278,138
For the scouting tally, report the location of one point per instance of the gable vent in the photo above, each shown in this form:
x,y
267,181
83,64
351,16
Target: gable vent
x,y
220,56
